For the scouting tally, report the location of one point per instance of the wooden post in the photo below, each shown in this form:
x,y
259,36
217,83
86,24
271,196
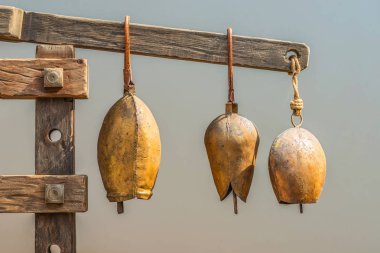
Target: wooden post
x,y
55,158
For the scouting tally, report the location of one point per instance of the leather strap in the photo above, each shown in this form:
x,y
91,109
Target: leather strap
x,y
129,86
231,92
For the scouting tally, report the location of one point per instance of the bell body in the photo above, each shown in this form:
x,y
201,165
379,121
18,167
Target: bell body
x,y
129,150
232,142
297,167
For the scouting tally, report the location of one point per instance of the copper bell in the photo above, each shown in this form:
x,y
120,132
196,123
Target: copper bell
x,y
297,167
129,146
297,162
232,142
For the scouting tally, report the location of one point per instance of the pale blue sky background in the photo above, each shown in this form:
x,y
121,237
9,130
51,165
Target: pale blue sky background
x,y
341,95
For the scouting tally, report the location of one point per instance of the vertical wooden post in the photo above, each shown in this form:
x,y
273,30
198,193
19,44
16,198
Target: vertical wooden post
x,y
54,158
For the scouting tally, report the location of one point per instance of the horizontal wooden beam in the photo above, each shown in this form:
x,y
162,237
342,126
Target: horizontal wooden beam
x,y
10,19
24,78
26,194
151,40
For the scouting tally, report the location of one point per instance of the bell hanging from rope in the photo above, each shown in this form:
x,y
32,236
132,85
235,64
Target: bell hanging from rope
x,y
232,142
129,146
297,163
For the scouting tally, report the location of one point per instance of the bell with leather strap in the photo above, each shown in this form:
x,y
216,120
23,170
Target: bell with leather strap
x,y
232,142
129,146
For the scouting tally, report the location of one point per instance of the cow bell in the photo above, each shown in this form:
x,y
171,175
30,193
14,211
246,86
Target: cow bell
x,y
232,142
297,167
129,150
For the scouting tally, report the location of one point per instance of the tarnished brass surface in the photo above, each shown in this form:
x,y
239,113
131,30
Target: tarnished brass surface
x,y
129,150
297,167
232,142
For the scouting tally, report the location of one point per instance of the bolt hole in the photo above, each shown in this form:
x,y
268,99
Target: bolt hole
x,y
54,248
55,135
291,53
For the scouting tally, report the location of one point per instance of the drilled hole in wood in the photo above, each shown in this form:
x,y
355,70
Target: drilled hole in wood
x,y
55,135
54,248
290,53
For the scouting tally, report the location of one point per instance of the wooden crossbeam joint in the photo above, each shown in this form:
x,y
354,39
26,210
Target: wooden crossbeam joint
x,y
43,78
35,194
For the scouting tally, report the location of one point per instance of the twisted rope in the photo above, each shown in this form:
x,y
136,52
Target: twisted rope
x,y
297,103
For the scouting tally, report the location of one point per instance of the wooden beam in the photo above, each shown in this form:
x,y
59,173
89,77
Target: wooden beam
x,y
10,23
24,78
55,158
157,41
26,194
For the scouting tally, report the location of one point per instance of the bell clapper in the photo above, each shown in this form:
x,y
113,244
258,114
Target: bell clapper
x,y
235,202
120,207
301,208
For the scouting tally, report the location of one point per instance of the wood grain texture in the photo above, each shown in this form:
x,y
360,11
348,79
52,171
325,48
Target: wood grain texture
x,y
160,41
11,20
24,78
26,194
55,158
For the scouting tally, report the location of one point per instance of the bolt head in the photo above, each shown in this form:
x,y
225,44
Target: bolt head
x,y
53,78
55,193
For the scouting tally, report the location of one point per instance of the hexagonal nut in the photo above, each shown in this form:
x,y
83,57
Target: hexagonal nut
x,y
55,193
53,77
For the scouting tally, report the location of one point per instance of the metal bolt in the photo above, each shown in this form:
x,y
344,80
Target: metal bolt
x,y
53,77
55,193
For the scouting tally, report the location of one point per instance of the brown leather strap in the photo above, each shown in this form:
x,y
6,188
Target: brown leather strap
x,y
129,86
231,95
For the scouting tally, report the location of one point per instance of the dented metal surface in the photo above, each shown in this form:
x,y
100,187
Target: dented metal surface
x,y
129,150
232,142
297,167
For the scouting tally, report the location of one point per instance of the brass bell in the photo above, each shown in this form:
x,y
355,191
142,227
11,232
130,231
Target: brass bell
x,y
129,146
231,143
297,167
129,150
297,162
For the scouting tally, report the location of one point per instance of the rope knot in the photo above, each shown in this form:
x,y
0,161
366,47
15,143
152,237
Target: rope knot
x,y
296,105
295,67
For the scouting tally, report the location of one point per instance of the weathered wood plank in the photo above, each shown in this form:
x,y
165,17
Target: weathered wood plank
x,y
26,194
10,23
160,41
55,158
24,78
